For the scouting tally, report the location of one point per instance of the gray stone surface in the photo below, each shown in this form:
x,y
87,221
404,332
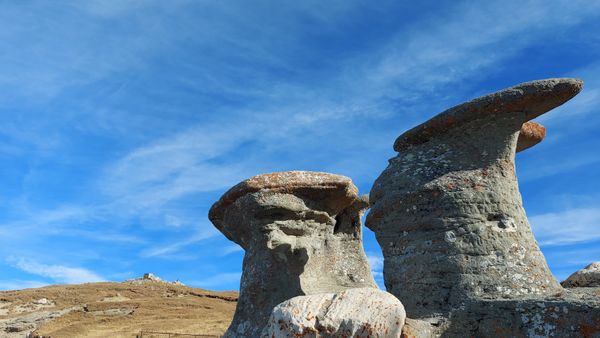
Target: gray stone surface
x,y
447,210
586,277
360,313
301,233
567,314
458,249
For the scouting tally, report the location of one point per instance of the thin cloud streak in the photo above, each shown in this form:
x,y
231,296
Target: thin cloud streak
x,y
217,280
203,234
58,273
20,284
567,227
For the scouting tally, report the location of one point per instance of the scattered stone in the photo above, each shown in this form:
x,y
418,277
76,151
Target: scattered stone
x,y
152,277
3,308
117,298
359,313
42,301
23,325
586,277
302,235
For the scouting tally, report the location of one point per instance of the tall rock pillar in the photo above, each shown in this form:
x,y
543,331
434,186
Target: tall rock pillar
x,y
302,235
447,210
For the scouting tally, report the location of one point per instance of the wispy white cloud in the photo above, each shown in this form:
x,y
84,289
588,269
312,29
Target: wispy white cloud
x,y
376,263
59,273
231,249
567,227
445,49
409,67
217,280
169,147
43,221
20,284
167,250
550,168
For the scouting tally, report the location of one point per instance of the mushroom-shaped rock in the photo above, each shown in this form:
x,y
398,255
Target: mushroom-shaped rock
x,y
358,313
447,211
586,277
302,235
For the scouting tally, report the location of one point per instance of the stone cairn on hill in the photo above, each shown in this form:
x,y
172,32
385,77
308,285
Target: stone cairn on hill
x,y
458,249
302,235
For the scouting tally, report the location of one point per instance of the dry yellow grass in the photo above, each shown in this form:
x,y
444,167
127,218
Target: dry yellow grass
x,y
115,310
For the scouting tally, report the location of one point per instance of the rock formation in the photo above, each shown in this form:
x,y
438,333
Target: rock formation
x,y
359,313
301,233
586,277
531,133
458,249
447,210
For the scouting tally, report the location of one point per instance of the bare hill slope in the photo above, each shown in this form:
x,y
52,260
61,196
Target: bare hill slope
x,y
114,310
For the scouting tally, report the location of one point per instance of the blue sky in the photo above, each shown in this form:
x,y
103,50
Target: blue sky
x,y
121,122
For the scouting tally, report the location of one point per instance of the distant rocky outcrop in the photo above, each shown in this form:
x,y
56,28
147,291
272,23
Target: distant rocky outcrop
x,y
586,277
360,313
302,235
150,277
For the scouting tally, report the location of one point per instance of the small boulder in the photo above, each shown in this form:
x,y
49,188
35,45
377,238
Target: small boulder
x,y
361,312
586,277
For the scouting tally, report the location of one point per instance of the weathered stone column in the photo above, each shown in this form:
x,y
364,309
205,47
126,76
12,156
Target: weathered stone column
x,y
302,235
447,210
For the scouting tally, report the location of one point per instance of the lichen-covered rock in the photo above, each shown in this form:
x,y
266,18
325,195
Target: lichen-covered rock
x,y
447,210
531,134
302,235
360,313
586,277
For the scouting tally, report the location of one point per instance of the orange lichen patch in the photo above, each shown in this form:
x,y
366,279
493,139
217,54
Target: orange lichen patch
x,y
322,184
533,98
531,134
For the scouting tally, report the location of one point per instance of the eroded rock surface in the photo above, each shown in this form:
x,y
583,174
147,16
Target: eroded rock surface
x,y
458,249
302,235
359,313
586,277
447,210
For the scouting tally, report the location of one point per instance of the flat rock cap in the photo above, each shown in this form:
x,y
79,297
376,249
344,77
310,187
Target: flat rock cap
x,y
534,98
531,134
322,185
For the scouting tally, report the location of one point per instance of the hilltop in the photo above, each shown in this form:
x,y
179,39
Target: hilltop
x,y
112,309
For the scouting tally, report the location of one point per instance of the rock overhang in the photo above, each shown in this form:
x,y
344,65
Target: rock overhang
x,y
534,98
335,191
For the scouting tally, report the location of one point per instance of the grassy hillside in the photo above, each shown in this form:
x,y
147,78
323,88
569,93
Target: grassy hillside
x,y
114,310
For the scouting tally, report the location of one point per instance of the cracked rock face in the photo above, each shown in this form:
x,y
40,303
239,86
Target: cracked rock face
x,y
301,233
359,313
447,211
586,277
